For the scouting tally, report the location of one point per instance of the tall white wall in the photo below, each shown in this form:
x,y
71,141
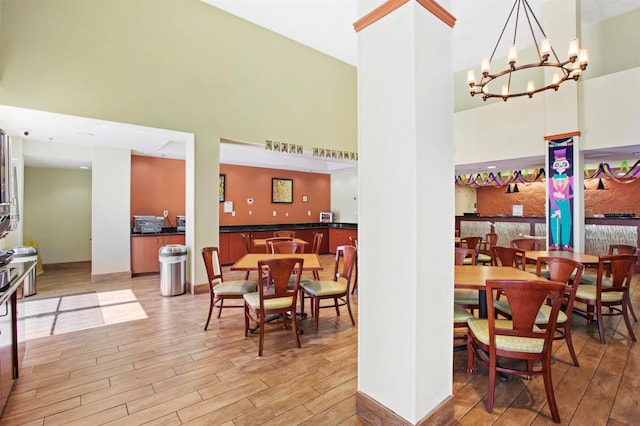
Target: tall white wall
x,y
110,210
344,195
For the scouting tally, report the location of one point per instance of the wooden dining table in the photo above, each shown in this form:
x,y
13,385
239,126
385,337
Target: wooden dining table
x,y
585,259
474,277
249,262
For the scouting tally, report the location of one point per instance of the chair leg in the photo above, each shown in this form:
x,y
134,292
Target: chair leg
x,y
548,387
211,303
246,276
294,327
316,312
600,323
633,314
220,309
625,314
492,383
316,276
471,354
261,345
246,321
567,337
335,304
350,313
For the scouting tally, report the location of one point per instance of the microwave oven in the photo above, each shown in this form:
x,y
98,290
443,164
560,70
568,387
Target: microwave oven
x,y
326,217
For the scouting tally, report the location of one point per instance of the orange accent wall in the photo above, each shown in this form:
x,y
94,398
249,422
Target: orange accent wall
x,y
242,182
617,198
157,184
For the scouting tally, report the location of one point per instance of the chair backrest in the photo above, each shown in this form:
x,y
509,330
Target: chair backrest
x,y
471,242
346,256
212,265
290,234
286,247
269,242
491,238
354,241
621,249
620,267
525,298
247,243
508,256
278,271
528,244
317,242
462,253
564,270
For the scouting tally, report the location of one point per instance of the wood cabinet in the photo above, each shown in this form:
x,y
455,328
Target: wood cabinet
x,y
144,251
340,237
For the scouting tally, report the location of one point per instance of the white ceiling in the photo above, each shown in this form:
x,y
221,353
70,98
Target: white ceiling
x,y
325,25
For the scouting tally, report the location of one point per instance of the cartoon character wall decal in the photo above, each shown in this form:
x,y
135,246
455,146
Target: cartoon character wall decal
x,y
560,201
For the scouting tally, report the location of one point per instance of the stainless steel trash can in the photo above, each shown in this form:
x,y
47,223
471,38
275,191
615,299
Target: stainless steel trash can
x,y
23,254
173,262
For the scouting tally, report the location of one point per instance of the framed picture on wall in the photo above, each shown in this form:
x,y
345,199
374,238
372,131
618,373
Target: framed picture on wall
x,y
281,190
221,189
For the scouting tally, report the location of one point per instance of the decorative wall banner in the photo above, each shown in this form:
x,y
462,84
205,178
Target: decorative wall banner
x,y
560,194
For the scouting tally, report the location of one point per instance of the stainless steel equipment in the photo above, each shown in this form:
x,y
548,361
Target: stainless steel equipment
x,y
7,187
181,223
27,254
147,224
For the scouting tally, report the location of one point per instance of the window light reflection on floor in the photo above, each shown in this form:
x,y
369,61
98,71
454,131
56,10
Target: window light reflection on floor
x,y
57,315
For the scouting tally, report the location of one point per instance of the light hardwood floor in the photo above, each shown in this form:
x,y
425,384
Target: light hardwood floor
x,y
166,370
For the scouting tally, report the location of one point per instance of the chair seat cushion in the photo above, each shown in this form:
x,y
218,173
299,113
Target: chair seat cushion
x,y
467,261
460,314
588,279
541,318
253,299
235,288
588,292
465,297
324,288
483,258
480,329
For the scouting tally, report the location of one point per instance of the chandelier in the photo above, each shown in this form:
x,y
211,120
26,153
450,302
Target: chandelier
x,y
570,69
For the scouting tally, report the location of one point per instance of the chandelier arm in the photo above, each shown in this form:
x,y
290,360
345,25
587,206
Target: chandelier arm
x,y
533,35
515,28
503,28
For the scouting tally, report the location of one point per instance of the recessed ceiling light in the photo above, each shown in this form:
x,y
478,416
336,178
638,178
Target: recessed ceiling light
x,y
491,167
84,167
85,134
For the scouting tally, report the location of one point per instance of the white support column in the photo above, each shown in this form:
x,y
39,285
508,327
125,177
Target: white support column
x,y
562,24
406,210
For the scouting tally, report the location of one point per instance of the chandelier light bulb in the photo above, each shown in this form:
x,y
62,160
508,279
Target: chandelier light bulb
x,y
574,47
583,58
505,90
556,78
513,56
545,48
486,67
471,77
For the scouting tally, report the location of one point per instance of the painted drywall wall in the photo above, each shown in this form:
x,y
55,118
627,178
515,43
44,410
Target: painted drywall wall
x,y
181,65
57,213
311,195
158,184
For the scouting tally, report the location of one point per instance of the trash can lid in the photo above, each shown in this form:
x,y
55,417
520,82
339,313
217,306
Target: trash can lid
x,y
173,250
24,251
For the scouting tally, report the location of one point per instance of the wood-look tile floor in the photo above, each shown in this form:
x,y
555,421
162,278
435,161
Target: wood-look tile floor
x,y
160,367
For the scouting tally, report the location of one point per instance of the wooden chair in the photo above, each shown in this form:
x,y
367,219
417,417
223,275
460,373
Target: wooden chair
x,y
465,298
490,240
508,256
614,296
315,248
278,300
517,338
354,242
286,247
558,269
247,243
219,289
471,243
624,249
269,242
526,244
336,289
290,234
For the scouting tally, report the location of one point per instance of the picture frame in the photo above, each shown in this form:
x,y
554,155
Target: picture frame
x,y
281,190
221,184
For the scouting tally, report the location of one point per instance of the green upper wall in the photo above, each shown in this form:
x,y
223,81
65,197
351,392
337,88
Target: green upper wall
x,y
613,46
177,64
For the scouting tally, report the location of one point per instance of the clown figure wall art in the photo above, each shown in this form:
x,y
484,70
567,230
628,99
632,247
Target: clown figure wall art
x,y
560,194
